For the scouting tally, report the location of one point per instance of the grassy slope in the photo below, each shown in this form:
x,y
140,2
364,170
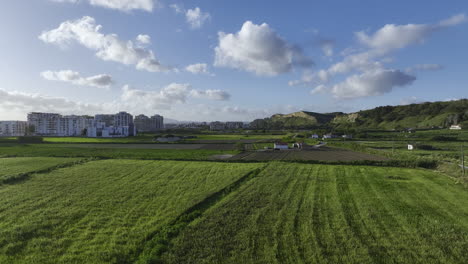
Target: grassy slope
x,y
49,150
101,211
296,213
11,167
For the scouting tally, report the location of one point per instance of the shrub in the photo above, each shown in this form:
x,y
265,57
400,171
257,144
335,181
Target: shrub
x,y
30,139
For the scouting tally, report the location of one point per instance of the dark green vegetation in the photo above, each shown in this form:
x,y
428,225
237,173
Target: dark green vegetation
x,y
59,150
294,213
102,211
425,115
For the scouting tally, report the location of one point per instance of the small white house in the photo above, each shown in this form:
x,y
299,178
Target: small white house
x,y
347,136
329,136
280,145
455,127
314,136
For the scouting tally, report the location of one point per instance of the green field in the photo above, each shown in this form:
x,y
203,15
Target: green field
x,y
64,150
294,213
137,203
14,167
102,211
234,137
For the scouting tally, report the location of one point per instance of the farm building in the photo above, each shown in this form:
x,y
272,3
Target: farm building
x,y
280,145
314,136
329,136
455,127
347,136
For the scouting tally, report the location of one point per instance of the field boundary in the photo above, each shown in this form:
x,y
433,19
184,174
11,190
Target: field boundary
x,y
18,178
157,243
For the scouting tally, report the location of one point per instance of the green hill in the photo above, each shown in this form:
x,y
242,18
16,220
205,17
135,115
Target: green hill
x,y
300,119
424,115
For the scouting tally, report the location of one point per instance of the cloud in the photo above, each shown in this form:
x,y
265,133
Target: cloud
x,y
122,5
424,67
65,1
100,81
370,59
196,18
108,47
16,104
174,93
391,36
198,68
258,49
372,83
143,39
177,8
125,5
211,94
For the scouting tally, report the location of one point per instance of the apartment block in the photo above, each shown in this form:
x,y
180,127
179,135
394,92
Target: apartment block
x,y
149,124
13,128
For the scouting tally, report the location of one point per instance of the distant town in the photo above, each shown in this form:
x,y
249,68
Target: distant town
x,y
121,124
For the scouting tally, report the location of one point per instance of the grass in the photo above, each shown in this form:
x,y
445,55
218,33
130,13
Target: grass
x,y
137,139
52,150
12,168
234,137
295,213
102,211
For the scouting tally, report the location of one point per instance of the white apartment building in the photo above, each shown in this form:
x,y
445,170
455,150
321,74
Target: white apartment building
x,y
44,124
118,125
13,128
148,124
50,124
72,126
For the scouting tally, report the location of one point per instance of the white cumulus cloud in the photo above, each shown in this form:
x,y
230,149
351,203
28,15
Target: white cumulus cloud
x,y
73,77
108,47
370,83
367,63
143,39
258,49
198,68
196,18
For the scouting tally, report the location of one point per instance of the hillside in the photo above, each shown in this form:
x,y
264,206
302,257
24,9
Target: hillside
x,y
302,119
424,115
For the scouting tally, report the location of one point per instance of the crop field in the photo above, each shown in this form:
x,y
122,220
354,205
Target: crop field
x,y
103,211
107,151
320,154
292,213
14,167
235,137
149,146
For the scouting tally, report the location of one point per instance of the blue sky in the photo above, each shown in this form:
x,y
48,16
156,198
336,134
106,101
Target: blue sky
x,y
228,60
